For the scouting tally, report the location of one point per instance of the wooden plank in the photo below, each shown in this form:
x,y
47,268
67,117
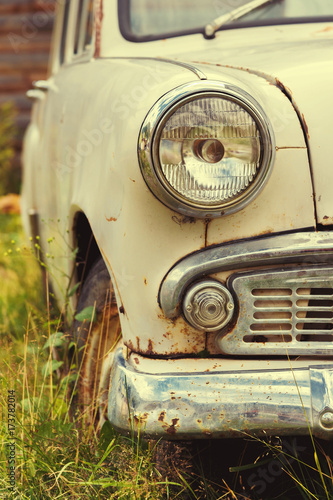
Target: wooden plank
x,y
8,6
25,35
26,25
12,82
25,63
10,44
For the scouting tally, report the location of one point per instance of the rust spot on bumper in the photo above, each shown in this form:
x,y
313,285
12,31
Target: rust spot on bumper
x,y
139,420
169,428
327,221
172,428
161,416
150,347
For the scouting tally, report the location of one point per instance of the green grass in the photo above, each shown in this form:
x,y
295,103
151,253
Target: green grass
x,y
10,175
59,459
55,457
20,279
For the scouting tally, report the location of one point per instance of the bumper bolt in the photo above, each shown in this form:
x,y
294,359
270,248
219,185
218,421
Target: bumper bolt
x,y
326,419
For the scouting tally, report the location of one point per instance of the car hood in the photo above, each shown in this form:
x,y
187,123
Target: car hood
x,y
298,59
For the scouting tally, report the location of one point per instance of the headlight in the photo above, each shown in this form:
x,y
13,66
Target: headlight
x,y
205,149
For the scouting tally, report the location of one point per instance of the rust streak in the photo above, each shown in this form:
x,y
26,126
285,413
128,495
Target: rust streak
x,y
172,428
325,30
98,22
150,347
130,345
111,219
207,221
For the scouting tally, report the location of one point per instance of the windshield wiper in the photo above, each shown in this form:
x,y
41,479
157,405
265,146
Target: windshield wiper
x,y
211,28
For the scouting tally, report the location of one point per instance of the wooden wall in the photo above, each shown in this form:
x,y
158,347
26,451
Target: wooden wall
x,y
25,34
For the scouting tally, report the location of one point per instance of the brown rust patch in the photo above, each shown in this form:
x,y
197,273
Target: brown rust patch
x,y
150,347
161,416
138,343
111,219
327,221
284,88
204,430
145,281
183,220
325,30
172,428
136,420
137,361
130,345
139,419
98,22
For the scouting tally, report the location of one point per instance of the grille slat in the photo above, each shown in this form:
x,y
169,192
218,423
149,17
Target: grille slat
x,y
292,307
272,321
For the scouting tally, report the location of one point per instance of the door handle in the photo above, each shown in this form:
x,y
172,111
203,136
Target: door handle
x,y
35,95
42,85
39,89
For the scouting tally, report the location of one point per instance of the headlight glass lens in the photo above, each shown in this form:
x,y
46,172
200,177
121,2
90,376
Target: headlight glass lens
x,y
209,151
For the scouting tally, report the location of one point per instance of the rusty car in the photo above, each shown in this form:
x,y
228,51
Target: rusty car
x,y
177,175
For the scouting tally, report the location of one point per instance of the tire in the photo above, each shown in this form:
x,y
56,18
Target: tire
x,y
96,342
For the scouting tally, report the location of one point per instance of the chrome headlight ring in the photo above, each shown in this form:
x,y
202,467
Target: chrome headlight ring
x,y
212,151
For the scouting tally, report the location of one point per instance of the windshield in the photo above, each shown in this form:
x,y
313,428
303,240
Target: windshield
x,y
152,19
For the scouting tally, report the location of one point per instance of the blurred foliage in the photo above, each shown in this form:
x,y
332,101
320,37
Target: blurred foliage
x,y
9,176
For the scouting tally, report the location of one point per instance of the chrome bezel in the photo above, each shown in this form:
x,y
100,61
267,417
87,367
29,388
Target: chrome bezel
x,y
149,156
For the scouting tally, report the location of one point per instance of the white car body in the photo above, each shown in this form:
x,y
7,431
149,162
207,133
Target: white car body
x,y
81,156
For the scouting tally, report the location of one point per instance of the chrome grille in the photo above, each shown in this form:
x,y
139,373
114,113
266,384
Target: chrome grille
x,y
283,311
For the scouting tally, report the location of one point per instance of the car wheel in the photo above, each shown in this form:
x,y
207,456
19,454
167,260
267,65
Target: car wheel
x,y
96,334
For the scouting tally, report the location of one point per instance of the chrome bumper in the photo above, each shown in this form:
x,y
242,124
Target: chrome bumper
x,y
222,404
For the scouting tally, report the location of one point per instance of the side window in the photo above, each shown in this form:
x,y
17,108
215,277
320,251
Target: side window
x,y
64,32
84,27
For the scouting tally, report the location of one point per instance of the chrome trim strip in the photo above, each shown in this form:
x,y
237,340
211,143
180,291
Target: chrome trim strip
x,y
201,405
306,248
200,74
